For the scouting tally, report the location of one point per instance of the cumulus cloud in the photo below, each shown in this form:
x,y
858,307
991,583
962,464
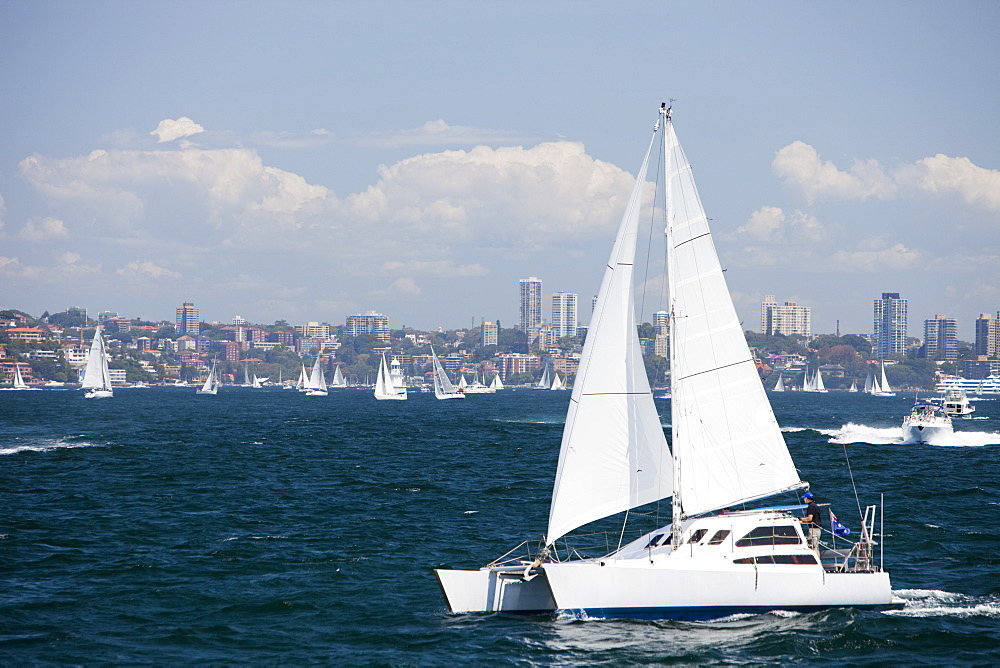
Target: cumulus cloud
x,y
771,223
439,133
401,287
9,263
43,230
169,130
68,257
976,185
800,166
145,268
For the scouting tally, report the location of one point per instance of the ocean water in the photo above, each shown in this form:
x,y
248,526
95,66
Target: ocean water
x,y
265,527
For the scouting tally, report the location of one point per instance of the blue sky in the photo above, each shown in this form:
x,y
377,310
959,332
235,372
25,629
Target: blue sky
x,y
306,161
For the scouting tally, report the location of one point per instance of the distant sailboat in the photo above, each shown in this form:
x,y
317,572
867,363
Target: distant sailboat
x,y
854,386
384,387
258,382
780,385
496,383
19,383
317,381
211,385
443,389
338,378
246,375
477,387
813,382
557,382
302,385
884,390
96,379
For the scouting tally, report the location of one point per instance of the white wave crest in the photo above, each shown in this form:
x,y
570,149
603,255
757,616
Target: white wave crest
x,y
44,445
936,603
859,433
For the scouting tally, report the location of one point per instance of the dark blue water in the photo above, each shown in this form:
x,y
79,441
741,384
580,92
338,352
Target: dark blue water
x,y
264,527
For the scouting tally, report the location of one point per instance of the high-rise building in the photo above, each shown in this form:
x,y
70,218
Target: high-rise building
x,y
188,319
786,320
491,333
564,318
988,335
313,330
661,333
940,339
370,322
531,305
889,331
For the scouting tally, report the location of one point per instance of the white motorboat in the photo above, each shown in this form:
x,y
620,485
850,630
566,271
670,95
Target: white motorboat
x,y
926,423
956,404
728,451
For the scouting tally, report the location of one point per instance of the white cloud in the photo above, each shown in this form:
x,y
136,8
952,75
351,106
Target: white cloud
x,y
68,257
896,257
145,268
400,288
8,264
169,130
438,268
439,133
43,230
976,185
771,223
799,165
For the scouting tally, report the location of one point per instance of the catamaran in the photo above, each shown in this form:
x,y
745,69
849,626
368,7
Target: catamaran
x,y
96,379
712,560
443,388
384,387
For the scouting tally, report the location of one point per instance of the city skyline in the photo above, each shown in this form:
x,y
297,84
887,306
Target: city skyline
x,y
145,162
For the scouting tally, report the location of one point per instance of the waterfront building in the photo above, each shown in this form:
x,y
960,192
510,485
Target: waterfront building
x,y
790,319
531,306
889,332
564,315
988,335
370,322
188,319
509,364
940,339
25,334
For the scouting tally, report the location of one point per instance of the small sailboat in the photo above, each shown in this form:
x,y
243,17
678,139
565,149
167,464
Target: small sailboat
x,y
718,556
19,383
258,382
496,383
211,385
317,381
338,378
854,386
780,385
557,382
302,385
813,381
384,386
443,388
479,387
882,388
96,379
545,382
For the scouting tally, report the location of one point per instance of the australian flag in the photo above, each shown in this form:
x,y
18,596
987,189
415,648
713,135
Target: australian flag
x,y
838,528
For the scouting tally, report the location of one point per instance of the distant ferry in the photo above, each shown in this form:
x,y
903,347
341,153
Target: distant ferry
x,y
990,385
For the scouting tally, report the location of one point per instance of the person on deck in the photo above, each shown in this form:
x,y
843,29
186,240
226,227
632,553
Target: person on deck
x,y
812,520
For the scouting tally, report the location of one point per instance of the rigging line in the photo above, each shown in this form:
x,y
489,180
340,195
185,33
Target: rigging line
x,y
687,241
718,368
851,472
649,240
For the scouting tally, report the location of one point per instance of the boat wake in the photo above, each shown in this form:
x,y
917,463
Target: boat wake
x,y
859,433
44,445
936,603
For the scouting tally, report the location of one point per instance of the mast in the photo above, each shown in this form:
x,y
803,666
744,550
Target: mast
x,y
676,505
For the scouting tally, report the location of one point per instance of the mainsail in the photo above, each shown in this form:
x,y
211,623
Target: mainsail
x,y
614,454
96,377
726,440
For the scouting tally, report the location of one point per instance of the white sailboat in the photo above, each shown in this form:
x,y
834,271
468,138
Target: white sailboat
x,y
780,385
854,386
883,389
211,385
384,386
545,382
443,389
317,381
338,378
479,387
557,382
813,382
258,382
727,451
19,383
496,383
96,379
302,385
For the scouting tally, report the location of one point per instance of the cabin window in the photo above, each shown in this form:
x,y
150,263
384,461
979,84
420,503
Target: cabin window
x,y
653,541
771,535
797,559
698,535
719,537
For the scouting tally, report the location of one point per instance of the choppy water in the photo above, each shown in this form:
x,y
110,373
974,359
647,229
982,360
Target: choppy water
x,y
264,527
